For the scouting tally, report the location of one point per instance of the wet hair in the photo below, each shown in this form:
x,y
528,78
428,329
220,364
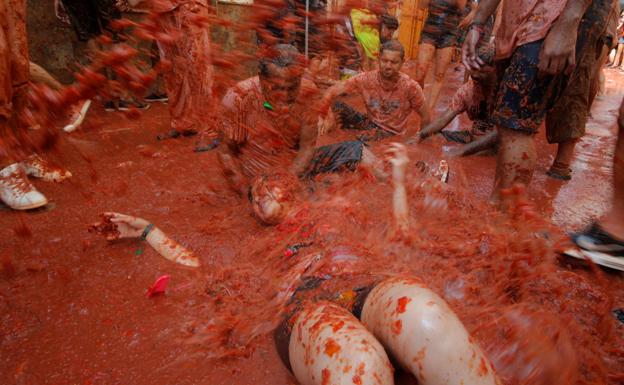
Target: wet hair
x,y
392,45
486,53
389,21
280,55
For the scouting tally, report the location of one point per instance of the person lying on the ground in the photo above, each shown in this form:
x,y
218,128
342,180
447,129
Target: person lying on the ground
x,y
115,226
390,97
270,125
607,234
474,98
343,314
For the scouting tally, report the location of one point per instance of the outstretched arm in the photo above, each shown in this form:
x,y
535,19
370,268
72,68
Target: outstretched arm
x,y
232,170
437,125
397,156
307,142
127,226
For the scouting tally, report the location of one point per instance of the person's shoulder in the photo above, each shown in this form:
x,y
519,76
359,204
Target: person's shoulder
x,y
406,81
308,87
240,90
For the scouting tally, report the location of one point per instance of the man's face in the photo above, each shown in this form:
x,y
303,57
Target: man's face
x,y
281,85
386,33
390,63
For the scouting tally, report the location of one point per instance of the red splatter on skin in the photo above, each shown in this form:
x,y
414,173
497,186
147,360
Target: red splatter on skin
x,y
331,347
337,326
357,380
397,327
401,303
326,375
483,368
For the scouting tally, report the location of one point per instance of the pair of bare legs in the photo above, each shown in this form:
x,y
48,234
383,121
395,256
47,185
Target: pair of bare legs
x,y
441,58
400,316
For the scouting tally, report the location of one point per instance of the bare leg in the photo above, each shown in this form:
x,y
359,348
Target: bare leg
x,y
328,345
560,168
516,160
613,222
618,55
424,335
39,75
426,53
442,60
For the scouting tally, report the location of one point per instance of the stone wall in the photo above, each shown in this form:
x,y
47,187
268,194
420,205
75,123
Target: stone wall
x,y
52,44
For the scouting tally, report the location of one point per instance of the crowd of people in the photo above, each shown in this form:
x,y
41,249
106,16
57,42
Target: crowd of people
x,y
528,63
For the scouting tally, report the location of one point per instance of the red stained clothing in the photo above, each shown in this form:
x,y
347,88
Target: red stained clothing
x,y
467,98
389,108
190,78
13,57
525,21
265,139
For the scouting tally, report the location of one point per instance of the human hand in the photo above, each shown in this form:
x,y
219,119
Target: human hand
x,y
326,123
127,226
558,52
396,155
465,23
471,60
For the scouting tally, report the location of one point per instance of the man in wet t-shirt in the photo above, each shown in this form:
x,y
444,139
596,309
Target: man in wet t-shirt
x,y
270,124
267,120
390,97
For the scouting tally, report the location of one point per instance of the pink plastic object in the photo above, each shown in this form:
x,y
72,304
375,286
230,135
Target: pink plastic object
x,y
159,286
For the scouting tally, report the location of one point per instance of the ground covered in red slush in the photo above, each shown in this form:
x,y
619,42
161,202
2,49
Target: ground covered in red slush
x,y
73,308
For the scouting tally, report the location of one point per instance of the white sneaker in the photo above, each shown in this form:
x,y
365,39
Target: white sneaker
x,y
16,191
78,117
38,168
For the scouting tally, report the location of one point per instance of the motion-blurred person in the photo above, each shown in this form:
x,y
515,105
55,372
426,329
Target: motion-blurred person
x,y
91,19
15,189
438,40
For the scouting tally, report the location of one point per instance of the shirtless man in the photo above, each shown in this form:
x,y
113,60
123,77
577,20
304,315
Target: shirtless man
x,y
390,97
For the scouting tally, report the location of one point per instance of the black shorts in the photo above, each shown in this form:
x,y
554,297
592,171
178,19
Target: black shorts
x,y
343,156
441,28
91,18
351,119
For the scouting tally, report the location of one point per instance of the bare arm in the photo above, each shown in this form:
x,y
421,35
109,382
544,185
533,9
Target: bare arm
x,y
559,49
232,169
469,51
307,142
397,156
438,125
134,227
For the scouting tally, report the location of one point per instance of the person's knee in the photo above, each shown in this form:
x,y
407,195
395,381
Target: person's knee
x,y
328,344
424,334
